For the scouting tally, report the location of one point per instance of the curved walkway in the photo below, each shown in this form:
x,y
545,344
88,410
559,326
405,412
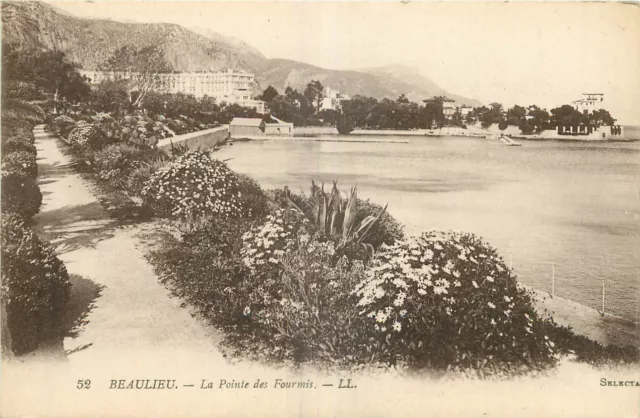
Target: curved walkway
x,y
117,304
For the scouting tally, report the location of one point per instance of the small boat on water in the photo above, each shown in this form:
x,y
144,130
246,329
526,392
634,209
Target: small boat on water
x,y
508,141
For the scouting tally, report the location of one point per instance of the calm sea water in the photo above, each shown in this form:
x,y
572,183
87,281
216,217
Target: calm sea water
x,y
572,205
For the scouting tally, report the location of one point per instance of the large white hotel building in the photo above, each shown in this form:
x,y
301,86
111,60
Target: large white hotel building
x,y
230,86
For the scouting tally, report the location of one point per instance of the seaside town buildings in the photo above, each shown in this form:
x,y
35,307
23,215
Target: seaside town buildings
x,y
230,86
332,99
448,108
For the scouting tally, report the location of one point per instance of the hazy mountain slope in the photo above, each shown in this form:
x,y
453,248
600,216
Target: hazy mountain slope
x,y
90,42
376,82
413,77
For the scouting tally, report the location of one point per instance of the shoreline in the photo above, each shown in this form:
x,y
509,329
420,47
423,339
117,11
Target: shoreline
x,y
587,321
344,138
306,132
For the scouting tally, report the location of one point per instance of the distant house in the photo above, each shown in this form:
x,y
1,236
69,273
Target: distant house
x,y
589,103
332,99
240,127
449,108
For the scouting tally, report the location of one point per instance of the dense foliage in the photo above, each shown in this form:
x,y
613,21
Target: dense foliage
x,y
35,285
282,291
447,300
20,191
192,186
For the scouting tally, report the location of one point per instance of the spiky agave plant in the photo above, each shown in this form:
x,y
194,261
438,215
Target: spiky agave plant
x,y
335,216
357,232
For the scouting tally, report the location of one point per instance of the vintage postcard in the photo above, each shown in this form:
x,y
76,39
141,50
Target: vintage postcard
x,y
320,209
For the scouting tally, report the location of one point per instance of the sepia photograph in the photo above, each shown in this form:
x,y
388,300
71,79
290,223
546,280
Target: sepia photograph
x,y
320,209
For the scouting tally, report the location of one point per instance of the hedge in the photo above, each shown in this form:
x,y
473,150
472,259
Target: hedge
x,y
35,286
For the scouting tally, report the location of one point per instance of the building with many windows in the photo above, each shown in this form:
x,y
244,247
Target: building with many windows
x,y
589,103
449,108
230,86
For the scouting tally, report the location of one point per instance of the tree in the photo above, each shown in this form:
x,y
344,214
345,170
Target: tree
x,y
110,96
402,99
139,69
435,112
496,108
359,110
602,117
314,93
49,71
329,116
566,115
269,94
515,115
344,124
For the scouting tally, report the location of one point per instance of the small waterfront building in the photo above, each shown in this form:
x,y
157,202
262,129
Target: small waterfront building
x,y
277,127
241,127
257,127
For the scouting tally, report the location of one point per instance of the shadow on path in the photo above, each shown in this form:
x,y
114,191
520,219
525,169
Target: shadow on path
x,y
73,227
84,293
82,298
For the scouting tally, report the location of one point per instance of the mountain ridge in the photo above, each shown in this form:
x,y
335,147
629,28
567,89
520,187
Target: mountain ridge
x,y
90,42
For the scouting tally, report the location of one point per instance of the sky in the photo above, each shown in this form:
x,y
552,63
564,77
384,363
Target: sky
x,y
514,53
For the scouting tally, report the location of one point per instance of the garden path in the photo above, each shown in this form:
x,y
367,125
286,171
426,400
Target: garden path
x,y
118,308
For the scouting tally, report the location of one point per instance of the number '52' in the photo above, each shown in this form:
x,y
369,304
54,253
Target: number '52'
x,y
83,384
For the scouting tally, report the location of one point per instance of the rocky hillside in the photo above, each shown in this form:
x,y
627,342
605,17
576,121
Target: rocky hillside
x,y
90,42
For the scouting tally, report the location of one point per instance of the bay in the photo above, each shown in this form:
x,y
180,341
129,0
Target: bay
x,y
571,205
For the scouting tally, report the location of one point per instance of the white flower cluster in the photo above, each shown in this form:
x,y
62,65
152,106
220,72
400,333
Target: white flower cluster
x,y
426,268
82,134
266,244
194,185
63,119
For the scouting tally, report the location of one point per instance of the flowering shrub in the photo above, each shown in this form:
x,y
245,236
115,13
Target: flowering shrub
x,y
204,269
298,305
23,162
253,200
140,175
35,285
22,110
87,135
264,245
307,314
20,191
447,299
20,194
115,162
17,140
192,186
63,125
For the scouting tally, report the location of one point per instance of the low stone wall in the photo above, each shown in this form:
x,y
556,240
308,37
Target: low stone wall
x,y
314,130
208,138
